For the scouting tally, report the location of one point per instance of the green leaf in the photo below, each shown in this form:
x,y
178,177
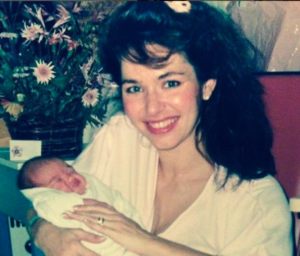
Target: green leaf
x,y
2,111
61,82
70,53
61,107
2,18
6,71
2,53
53,48
7,89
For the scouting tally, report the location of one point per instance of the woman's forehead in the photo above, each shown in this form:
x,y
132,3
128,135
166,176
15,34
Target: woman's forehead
x,y
175,63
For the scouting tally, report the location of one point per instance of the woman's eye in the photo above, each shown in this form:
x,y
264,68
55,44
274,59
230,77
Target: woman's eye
x,y
133,89
171,84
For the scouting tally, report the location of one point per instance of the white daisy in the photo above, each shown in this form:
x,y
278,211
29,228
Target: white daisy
x,y
43,72
31,32
90,98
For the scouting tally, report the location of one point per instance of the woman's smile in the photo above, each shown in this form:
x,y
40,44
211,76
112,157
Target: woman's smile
x,y
163,126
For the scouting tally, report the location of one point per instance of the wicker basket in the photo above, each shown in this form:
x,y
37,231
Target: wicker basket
x,y
64,140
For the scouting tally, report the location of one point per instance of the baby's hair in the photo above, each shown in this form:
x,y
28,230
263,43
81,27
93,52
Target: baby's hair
x,y
24,179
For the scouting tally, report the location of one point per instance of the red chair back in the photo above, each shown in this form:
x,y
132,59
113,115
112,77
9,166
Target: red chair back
x,y
282,99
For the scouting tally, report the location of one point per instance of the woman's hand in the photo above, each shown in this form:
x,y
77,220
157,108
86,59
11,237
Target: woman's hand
x,y
56,241
116,226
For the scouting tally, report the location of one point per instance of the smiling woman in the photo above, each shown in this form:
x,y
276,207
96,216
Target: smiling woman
x,y
192,150
164,101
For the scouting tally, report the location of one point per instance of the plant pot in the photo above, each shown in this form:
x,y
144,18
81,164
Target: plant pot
x,y
61,140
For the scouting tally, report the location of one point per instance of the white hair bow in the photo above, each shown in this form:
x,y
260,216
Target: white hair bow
x,y
179,6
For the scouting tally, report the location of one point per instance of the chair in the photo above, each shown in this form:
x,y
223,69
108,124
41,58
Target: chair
x,y
282,99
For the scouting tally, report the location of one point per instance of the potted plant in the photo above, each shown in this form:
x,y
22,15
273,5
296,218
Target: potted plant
x,y
50,76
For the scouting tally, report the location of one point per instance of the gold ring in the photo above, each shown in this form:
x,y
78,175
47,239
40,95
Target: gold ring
x,y
101,221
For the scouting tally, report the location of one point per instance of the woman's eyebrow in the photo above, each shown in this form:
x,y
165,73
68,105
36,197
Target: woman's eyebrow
x,y
132,81
128,81
170,74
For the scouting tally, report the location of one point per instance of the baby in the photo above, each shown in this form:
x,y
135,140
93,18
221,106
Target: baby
x,y
54,187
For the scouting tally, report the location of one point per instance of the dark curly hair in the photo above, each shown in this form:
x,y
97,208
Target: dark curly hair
x,y
232,124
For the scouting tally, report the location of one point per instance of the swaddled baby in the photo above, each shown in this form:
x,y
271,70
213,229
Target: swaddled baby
x,y
54,187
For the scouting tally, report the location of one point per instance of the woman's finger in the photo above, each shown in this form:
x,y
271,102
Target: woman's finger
x,y
109,222
100,227
100,207
125,232
94,208
92,202
89,201
88,237
96,217
81,216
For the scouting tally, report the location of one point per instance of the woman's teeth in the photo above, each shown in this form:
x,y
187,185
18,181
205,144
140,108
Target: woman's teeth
x,y
163,124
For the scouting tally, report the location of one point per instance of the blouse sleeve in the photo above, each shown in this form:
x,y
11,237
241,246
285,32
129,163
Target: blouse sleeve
x,y
93,158
260,223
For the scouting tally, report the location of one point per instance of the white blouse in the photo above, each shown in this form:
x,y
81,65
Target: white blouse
x,y
252,220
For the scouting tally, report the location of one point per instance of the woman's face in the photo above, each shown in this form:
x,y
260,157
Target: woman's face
x,y
162,103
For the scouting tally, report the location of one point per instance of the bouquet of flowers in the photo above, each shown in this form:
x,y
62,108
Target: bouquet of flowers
x,y
49,70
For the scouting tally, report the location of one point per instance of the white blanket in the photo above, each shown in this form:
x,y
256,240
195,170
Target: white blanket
x,y
50,204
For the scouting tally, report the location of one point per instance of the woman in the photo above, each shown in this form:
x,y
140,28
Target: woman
x,y
193,150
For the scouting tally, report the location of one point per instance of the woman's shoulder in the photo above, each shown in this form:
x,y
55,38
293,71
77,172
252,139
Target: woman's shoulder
x,y
254,186
255,209
264,192
120,119
264,189
265,195
117,123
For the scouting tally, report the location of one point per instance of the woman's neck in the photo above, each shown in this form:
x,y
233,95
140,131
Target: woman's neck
x,y
184,162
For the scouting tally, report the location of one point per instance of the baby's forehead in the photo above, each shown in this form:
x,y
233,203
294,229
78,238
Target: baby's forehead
x,y
54,165
57,163
57,160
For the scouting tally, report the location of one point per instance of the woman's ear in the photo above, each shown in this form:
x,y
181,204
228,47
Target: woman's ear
x,y
208,88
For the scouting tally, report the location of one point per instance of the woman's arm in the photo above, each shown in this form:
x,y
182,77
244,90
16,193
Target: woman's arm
x,y
160,246
67,241
126,232
131,236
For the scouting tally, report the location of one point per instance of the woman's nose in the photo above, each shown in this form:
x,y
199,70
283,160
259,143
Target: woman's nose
x,y
155,103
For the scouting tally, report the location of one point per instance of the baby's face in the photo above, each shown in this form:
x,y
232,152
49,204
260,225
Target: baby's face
x,y
59,175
